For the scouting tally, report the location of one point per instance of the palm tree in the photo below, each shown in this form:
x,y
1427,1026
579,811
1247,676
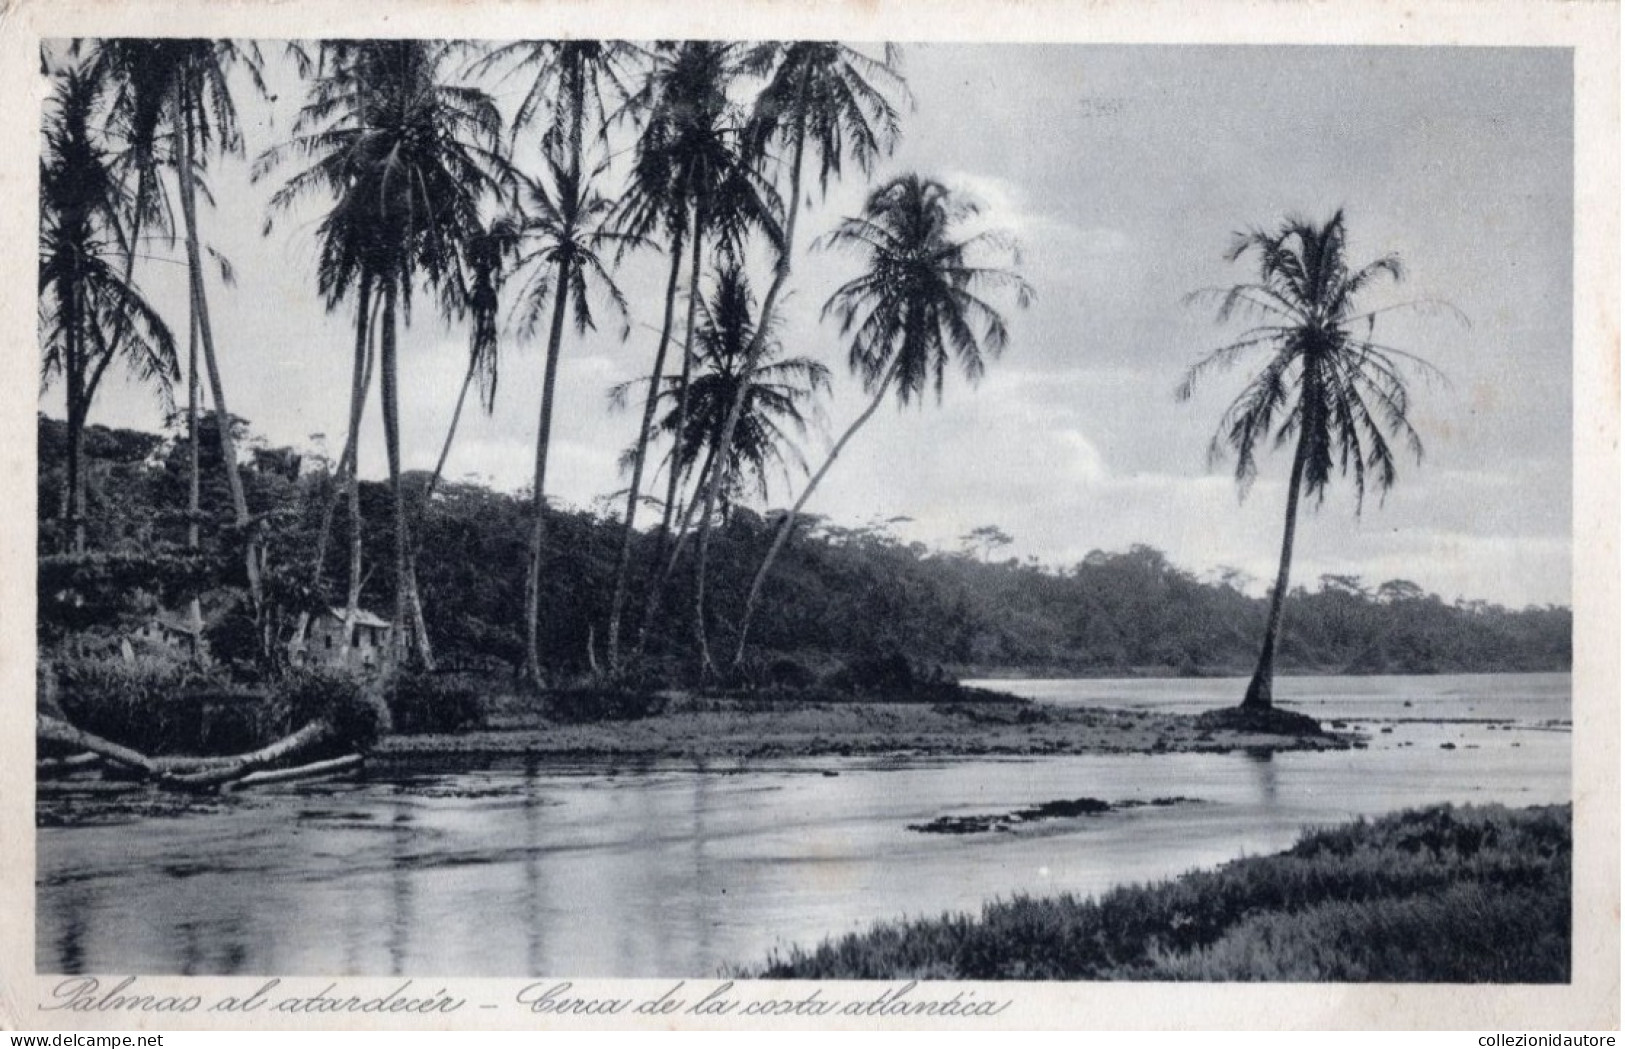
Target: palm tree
x,y
692,177
1324,383
90,312
181,87
567,221
409,160
916,308
567,234
777,397
833,98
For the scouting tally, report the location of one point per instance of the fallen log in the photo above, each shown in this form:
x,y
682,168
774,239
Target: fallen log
x,y
315,770
56,788
54,730
243,764
63,766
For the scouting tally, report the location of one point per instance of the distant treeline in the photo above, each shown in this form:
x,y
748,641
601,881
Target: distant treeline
x,y
837,594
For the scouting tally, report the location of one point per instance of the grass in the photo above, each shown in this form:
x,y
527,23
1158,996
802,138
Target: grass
x,y
1442,894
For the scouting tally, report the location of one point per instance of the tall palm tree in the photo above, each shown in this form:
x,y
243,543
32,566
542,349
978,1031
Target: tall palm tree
x,y
1324,382
917,307
409,160
834,99
90,312
566,235
180,89
778,398
692,178
586,82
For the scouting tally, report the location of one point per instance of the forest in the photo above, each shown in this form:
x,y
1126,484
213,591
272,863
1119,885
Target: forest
x,y
410,181
842,593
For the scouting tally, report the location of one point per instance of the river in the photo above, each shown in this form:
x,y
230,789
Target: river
x,y
516,867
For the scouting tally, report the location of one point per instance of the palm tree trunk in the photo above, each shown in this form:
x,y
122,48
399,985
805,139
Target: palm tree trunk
x,y
420,626
544,428
194,464
623,564
674,482
392,450
194,468
781,274
651,600
451,435
1260,690
200,307
73,519
783,534
360,380
349,462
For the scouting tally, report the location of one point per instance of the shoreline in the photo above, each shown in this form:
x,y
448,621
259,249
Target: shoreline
x,y
704,728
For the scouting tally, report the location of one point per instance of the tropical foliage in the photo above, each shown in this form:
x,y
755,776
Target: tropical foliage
x,y
510,186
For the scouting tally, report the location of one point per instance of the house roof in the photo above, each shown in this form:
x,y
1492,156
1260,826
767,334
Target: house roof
x,y
362,618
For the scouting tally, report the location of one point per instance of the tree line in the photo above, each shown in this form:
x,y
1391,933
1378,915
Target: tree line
x,y
704,152
842,592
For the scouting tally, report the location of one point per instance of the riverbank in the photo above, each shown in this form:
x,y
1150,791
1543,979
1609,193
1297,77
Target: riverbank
x,y
986,724
1443,894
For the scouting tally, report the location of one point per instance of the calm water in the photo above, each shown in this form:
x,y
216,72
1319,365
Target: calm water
x,y
521,868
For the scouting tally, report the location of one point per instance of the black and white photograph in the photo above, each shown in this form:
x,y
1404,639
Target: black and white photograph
x,y
949,513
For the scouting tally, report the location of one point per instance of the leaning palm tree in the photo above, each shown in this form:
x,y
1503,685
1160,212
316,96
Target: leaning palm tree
x,y
409,160
91,314
839,102
180,89
692,179
1324,385
473,293
917,308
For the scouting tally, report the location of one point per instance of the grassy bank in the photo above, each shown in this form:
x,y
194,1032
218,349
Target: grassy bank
x,y
1436,895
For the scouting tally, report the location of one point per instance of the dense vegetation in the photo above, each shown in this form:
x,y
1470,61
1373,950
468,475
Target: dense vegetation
x,y
838,593
1451,895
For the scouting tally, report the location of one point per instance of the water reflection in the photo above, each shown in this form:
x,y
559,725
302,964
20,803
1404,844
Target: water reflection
x,y
402,838
1261,762
671,870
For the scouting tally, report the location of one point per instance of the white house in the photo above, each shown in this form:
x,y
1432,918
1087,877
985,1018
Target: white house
x,y
324,640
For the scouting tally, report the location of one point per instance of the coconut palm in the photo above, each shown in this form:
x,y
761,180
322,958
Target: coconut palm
x,y
566,236
777,394
778,398
692,179
410,161
576,86
917,307
835,99
179,90
1324,384
91,314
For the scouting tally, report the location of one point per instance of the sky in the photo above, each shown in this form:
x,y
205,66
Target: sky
x,y
1124,173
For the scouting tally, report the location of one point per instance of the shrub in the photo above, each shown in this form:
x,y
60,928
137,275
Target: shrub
x,y
356,712
421,702
160,706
